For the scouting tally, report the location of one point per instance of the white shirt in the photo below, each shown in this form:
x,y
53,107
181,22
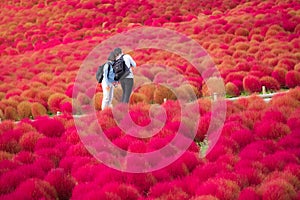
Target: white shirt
x,y
129,63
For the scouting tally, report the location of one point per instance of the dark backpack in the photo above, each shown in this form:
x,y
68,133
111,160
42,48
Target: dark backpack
x,y
100,71
120,69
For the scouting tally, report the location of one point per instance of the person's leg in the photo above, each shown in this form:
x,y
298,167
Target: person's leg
x,y
105,99
128,89
123,85
110,96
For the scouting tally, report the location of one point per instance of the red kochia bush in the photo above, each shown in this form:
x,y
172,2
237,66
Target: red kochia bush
x,y
279,74
273,114
55,100
166,189
49,127
62,182
271,130
249,193
24,109
278,189
38,109
292,79
11,113
9,141
124,191
29,139
242,137
232,90
251,84
25,157
270,83
35,188
221,188
279,160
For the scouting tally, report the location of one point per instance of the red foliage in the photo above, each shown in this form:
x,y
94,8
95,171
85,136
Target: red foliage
x,y
252,84
243,137
6,125
124,191
277,189
29,139
24,157
35,189
88,190
279,160
279,74
38,109
258,149
271,130
249,193
221,188
292,78
49,127
204,123
270,83
143,182
273,114
62,182
9,141
232,90
167,190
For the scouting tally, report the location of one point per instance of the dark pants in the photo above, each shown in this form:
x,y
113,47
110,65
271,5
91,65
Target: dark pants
x,y
127,85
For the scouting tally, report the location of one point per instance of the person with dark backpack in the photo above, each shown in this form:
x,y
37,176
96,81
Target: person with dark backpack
x,y
106,77
123,73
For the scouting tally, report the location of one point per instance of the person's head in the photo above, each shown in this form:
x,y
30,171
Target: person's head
x,y
111,56
118,51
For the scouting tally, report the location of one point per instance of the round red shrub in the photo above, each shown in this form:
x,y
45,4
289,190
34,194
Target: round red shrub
x,y
258,149
270,83
249,193
278,189
11,113
45,164
55,100
294,123
25,157
62,182
24,109
49,127
163,189
125,191
243,137
251,84
203,127
29,139
279,160
280,74
143,182
82,190
221,188
271,130
232,90
9,141
6,125
292,79
209,170
38,109
273,114
35,188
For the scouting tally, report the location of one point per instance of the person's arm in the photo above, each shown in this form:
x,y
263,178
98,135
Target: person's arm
x,y
129,61
105,73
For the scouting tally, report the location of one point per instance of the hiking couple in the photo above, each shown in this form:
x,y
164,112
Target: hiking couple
x,y
110,81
